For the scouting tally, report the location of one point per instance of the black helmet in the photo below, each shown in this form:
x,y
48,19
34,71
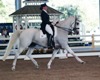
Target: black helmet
x,y
42,5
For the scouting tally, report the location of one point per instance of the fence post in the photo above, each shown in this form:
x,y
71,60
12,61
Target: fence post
x,y
93,46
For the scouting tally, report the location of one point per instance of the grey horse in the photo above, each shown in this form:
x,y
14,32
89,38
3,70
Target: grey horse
x,y
26,37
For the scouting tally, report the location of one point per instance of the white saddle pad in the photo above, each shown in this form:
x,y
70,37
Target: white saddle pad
x,y
44,35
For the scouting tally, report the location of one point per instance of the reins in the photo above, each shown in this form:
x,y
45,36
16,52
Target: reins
x,y
66,29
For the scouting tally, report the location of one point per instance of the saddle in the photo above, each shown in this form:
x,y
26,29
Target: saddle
x,y
42,35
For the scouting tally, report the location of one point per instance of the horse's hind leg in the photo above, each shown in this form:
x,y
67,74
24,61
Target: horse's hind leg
x,y
29,54
76,57
16,56
52,58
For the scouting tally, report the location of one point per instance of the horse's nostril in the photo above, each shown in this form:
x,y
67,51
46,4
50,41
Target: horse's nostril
x,y
77,32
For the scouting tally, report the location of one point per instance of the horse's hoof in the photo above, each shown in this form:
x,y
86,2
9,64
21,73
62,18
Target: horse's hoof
x,y
13,68
83,62
37,67
49,67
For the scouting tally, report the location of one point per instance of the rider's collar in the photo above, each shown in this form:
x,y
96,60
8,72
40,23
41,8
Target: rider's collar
x,y
44,10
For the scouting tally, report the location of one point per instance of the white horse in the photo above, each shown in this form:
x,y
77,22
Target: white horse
x,y
26,37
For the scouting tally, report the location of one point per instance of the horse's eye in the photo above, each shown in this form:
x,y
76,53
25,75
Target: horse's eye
x,y
77,23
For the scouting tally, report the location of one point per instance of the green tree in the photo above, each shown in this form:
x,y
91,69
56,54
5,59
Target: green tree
x,y
2,9
1,5
69,11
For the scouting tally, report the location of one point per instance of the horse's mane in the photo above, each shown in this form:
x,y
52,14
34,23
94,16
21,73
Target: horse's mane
x,y
70,17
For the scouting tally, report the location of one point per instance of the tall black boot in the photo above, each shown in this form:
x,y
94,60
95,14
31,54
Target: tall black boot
x,y
53,43
49,41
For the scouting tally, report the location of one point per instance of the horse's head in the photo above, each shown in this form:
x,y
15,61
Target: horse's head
x,y
71,24
76,25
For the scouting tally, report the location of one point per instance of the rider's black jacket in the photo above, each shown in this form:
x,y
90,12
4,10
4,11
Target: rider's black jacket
x,y
45,20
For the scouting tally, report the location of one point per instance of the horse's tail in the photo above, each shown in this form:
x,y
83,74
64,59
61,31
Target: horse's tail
x,y
13,39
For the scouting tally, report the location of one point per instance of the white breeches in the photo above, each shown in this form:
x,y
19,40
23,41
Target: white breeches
x,y
48,29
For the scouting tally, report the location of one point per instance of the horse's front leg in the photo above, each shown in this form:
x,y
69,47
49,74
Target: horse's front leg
x,y
76,57
52,58
29,54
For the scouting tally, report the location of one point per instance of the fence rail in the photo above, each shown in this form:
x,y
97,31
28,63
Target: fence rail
x,y
92,47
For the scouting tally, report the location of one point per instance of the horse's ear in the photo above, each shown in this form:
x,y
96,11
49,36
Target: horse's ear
x,y
78,18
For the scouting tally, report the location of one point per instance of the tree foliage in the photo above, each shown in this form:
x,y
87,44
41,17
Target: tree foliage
x,y
69,11
2,9
1,4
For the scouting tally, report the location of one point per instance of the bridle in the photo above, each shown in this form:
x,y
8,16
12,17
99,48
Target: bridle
x,y
75,28
68,29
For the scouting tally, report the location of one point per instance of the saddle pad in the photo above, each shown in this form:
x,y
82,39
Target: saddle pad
x,y
44,35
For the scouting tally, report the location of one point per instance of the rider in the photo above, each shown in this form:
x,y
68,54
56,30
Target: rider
x,y
46,26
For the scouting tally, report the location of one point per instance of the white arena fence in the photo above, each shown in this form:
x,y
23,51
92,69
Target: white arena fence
x,y
85,50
